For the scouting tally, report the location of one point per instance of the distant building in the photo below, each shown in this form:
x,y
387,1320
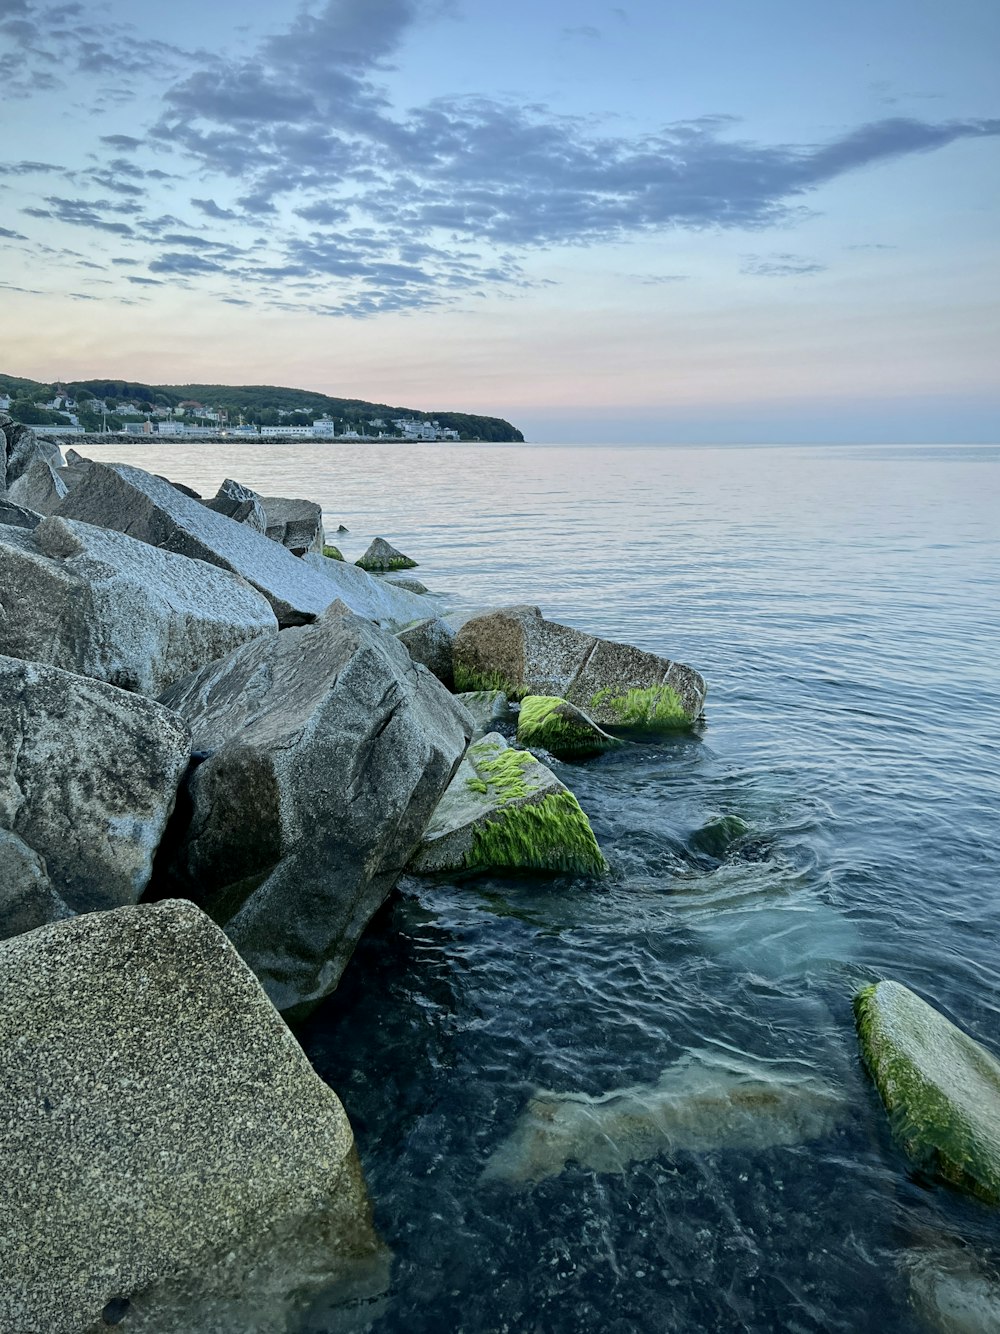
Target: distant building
x,y
324,426
138,428
5,402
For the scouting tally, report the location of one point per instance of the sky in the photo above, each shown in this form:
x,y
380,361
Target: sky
x,y
723,221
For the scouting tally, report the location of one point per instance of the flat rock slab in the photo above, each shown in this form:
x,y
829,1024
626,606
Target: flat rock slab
x,y
374,599
516,650
382,556
295,524
939,1086
114,495
555,725
93,601
170,1158
88,778
506,810
329,749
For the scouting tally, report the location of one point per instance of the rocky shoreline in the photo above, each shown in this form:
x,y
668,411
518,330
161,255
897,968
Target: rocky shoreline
x,y
222,747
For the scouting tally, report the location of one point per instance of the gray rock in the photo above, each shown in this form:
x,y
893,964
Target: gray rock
x,y
72,474
93,601
72,456
329,751
38,488
514,649
486,707
374,599
114,495
170,1158
15,516
238,502
296,524
27,899
182,487
504,809
88,778
429,641
405,581
382,557
23,447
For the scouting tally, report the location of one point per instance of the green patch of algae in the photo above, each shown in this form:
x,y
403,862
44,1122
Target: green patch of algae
x,y
540,724
551,834
332,553
657,707
468,680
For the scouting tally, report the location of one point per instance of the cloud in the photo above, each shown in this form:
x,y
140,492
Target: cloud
x,y
124,143
8,235
144,282
780,265
212,210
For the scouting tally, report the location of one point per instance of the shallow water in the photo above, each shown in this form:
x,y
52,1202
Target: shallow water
x,y
843,604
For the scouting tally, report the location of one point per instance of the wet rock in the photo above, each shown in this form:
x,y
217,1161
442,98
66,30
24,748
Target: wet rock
x,y
382,557
295,524
114,495
940,1088
405,581
505,809
93,601
516,650
329,749
38,488
239,503
15,516
555,725
429,641
376,600
171,1161
27,898
88,778
486,707
717,836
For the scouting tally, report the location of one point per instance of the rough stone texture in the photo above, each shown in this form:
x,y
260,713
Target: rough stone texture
x,y
114,495
23,447
939,1086
382,557
73,473
561,728
329,751
375,599
27,899
15,516
406,581
72,456
93,601
486,708
183,488
429,641
296,524
516,650
505,809
39,488
238,502
88,778
169,1155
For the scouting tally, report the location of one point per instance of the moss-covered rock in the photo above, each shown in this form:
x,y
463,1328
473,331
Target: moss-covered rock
x,y
939,1086
505,809
718,835
381,557
332,552
561,728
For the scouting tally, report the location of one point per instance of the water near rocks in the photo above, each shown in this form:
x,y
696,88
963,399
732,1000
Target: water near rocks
x,y
843,604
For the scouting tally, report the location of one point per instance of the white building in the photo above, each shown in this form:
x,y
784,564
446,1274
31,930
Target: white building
x,y
324,426
5,402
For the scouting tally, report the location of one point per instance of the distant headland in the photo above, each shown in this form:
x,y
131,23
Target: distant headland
x,y
127,407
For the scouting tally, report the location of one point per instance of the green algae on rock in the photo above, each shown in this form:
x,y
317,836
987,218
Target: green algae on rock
x,y
381,557
332,553
718,835
654,708
470,681
505,809
939,1086
561,728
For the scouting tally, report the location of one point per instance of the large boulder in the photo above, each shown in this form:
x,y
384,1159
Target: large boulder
x,y
372,598
296,524
939,1086
238,502
88,778
516,650
171,1161
27,898
328,749
555,725
429,641
16,516
115,495
21,447
382,556
39,488
93,601
505,810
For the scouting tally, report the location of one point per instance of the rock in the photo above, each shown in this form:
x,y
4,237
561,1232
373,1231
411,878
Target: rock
x,y
329,749
93,601
238,502
718,835
114,495
342,529
38,488
295,524
429,641
182,488
486,707
23,447
381,557
392,608
15,516
505,810
561,728
73,457
170,1158
72,474
940,1088
332,553
27,899
88,777
405,581
515,650
953,1292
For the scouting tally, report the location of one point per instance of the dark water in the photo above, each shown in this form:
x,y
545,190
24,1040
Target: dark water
x,y
844,605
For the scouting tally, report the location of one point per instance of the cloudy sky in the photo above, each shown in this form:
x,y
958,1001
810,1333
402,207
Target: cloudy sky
x,y
725,220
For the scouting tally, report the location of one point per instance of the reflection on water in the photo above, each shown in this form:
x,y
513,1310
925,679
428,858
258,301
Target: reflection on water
x,y
843,605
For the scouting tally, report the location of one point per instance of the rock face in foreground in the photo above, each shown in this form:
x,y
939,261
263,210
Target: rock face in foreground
x,y
939,1086
39,488
561,728
171,1161
506,810
19,448
295,524
374,599
381,557
516,650
429,641
330,750
88,778
114,495
93,601
27,899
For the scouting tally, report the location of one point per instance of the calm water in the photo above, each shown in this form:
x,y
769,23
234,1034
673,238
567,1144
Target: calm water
x,y
844,605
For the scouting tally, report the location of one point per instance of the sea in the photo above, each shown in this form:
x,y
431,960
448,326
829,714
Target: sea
x,y
843,603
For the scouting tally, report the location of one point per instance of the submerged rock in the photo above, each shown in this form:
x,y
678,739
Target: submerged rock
x,y
382,557
429,641
939,1086
170,1158
376,600
27,899
93,601
718,835
239,503
516,650
486,707
295,524
699,1105
404,581
329,749
88,778
561,728
505,809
